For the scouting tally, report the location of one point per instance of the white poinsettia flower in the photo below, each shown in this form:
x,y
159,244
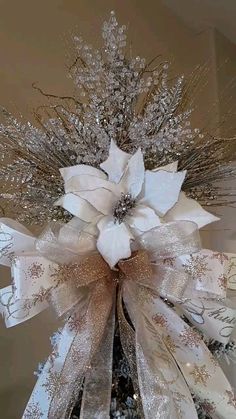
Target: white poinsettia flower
x,y
127,201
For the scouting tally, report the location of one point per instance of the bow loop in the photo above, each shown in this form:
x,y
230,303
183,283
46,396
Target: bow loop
x,y
137,267
55,270
88,269
171,240
63,244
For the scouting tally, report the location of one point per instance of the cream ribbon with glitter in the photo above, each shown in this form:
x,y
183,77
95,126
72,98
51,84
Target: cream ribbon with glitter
x,y
168,352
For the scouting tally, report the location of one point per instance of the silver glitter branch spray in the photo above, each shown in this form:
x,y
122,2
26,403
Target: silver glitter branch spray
x,y
119,98
134,103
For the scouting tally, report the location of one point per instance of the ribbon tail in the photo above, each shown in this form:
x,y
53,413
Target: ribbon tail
x,y
154,392
127,337
49,379
60,381
162,386
14,238
85,346
201,371
98,381
15,310
231,270
216,319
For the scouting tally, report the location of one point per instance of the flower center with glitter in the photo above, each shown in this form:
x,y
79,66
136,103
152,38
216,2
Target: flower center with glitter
x,y
123,207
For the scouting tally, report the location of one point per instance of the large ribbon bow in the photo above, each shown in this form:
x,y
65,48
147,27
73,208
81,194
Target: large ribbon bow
x,y
168,359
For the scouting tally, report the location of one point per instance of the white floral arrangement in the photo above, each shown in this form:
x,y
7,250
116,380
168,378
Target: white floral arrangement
x,y
120,254
123,200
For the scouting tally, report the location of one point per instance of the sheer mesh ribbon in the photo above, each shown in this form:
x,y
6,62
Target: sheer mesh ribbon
x,y
167,359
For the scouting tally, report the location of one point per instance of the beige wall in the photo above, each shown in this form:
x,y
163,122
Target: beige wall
x,y
34,39
225,64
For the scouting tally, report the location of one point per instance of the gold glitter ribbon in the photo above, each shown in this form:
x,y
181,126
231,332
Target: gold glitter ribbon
x,y
84,287
138,278
92,271
98,380
86,344
74,277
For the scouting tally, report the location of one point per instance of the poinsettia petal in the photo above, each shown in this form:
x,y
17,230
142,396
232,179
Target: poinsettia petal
x,y
101,199
114,241
133,177
142,219
89,183
171,167
81,169
161,189
116,162
189,209
77,206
